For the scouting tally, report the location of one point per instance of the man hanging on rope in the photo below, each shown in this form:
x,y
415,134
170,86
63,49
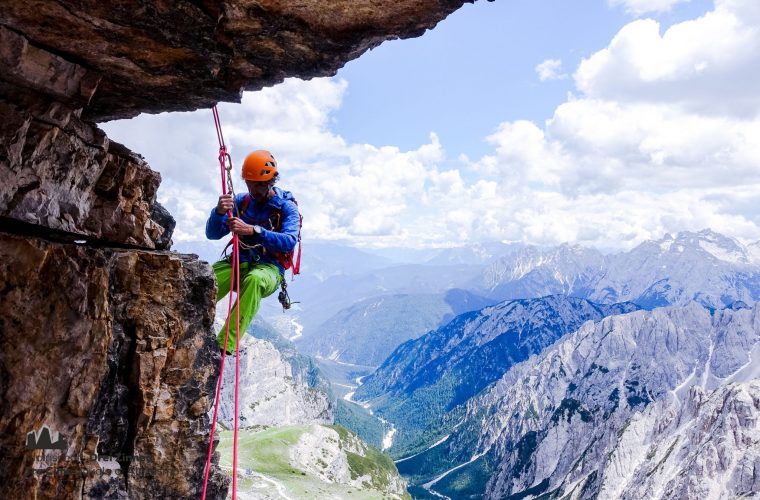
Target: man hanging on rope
x,y
267,221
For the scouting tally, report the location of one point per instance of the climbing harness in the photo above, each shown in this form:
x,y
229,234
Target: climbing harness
x,y
255,252
284,258
225,164
274,223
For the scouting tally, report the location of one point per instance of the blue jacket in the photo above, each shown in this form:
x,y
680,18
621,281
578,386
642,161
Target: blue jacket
x,y
283,240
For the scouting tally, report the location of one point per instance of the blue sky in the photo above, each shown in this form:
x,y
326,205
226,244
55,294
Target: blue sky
x,y
602,123
475,70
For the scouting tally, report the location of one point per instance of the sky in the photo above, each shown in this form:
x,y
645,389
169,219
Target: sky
x,y
602,123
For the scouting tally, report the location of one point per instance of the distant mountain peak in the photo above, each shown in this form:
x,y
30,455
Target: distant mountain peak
x,y
704,265
719,246
565,262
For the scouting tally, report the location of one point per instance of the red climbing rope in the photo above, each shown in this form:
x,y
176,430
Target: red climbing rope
x,y
225,164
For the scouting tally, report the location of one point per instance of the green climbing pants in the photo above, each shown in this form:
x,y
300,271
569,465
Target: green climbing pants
x,y
256,282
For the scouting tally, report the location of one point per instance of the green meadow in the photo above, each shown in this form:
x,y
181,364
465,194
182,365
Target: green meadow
x,y
264,470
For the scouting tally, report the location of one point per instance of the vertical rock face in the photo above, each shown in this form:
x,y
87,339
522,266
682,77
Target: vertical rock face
x,y
64,174
110,349
709,447
269,392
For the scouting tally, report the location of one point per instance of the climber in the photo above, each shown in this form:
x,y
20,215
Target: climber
x,y
268,224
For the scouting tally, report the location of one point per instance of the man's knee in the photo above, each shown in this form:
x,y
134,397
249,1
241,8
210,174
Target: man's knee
x,y
262,278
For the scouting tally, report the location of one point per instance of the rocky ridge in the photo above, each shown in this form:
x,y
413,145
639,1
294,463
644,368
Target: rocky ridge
x,y
311,461
325,452
646,403
425,378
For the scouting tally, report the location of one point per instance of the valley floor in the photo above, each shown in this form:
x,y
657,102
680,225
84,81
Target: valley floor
x,y
266,470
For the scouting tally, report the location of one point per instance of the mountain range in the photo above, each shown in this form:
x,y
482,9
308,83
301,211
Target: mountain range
x,y
628,375
645,404
706,267
425,378
703,266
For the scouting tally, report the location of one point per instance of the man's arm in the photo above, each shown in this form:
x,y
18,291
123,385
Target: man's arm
x,y
216,226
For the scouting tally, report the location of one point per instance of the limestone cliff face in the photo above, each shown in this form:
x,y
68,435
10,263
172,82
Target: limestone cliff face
x,y
708,447
270,394
105,338
108,348
62,174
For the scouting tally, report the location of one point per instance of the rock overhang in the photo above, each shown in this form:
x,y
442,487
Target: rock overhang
x,y
121,59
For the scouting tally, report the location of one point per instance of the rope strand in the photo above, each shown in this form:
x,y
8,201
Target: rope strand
x,y
225,165
236,253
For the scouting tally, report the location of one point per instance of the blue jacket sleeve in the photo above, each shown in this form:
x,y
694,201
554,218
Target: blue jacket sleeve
x,y
216,226
285,240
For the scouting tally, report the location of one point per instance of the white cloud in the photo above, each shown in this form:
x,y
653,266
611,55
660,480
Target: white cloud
x,y
707,65
638,7
551,69
636,155
611,146
626,160
362,191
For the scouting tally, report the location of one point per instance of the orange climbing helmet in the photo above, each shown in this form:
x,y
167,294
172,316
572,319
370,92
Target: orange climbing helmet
x,y
259,166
